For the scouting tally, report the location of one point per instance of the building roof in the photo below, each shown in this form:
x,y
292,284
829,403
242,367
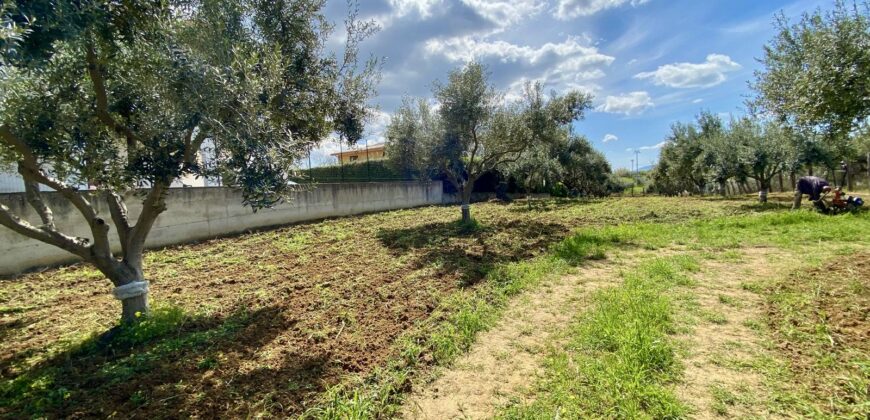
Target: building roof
x,y
374,147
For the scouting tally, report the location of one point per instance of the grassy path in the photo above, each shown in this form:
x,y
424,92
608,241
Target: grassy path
x,y
725,327
682,331
503,359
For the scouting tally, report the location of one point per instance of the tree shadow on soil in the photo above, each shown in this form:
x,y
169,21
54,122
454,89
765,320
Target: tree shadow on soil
x,y
469,255
198,366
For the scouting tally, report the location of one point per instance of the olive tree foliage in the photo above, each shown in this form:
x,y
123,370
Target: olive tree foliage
x,y
411,127
816,73
536,169
122,95
686,161
584,170
765,150
568,159
474,130
710,151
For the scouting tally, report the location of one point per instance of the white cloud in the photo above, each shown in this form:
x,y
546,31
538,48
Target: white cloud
x,y
692,75
424,8
376,126
501,13
570,64
629,104
697,101
653,147
609,138
506,12
569,9
578,55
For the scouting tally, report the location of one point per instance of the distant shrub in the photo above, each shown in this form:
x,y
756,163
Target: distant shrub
x,y
559,190
376,170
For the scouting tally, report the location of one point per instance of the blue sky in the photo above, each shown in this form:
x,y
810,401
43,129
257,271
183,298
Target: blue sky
x,y
648,63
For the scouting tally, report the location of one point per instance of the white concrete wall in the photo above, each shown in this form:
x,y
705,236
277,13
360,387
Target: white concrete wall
x,y
201,213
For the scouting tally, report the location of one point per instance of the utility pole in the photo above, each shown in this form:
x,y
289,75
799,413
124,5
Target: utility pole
x,y
637,162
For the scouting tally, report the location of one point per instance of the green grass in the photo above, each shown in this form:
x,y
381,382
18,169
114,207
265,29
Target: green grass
x,y
620,358
164,329
621,361
381,393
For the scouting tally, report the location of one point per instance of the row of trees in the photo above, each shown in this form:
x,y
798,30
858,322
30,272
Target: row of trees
x,y
709,153
811,110
468,129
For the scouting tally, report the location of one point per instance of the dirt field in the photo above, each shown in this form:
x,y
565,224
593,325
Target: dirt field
x,y
265,322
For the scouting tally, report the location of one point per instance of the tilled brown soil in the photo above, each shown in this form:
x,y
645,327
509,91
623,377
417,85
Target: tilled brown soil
x,y
822,321
271,319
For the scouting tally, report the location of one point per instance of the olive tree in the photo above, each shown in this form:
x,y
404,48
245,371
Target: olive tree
x,y
764,150
481,131
816,72
584,170
121,96
409,129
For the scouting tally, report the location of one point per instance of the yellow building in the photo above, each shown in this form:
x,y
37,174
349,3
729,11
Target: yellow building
x,y
358,154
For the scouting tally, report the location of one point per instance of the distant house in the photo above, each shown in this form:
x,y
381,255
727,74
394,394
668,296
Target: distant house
x,y
361,154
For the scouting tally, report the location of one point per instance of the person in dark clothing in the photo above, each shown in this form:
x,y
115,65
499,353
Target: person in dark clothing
x,y
812,186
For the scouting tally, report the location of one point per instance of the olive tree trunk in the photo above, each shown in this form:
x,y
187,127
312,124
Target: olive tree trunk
x,y
763,189
465,208
123,270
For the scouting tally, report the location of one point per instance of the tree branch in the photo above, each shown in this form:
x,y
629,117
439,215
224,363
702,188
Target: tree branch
x,y
29,169
153,205
118,210
31,191
77,246
497,156
473,150
193,144
102,101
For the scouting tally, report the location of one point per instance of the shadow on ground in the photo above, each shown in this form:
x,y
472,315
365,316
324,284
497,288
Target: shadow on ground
x,y
177,366
470,253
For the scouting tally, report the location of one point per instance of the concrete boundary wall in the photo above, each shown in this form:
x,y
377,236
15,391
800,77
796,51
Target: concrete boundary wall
x,y
202,213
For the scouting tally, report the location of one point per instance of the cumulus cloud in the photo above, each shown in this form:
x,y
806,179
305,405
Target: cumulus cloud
x,y
570,64
693,75
501,13
506,12
569,9
629,104
609,138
